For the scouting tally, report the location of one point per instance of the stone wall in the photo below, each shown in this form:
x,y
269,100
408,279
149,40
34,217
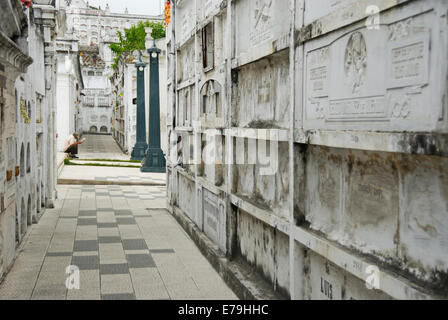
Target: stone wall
x,y
27,135
347,103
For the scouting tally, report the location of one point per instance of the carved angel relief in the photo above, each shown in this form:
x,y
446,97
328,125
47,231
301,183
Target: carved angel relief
x,y
262,22
356,60
262,11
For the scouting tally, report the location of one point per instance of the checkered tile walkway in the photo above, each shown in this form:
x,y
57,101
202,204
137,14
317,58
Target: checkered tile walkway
x,y
131,178
108,174
101,146
124,244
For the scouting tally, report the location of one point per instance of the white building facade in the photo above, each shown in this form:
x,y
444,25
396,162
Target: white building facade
x,y
28,83
94,29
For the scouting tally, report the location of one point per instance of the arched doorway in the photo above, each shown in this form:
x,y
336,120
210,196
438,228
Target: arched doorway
x,y
28,211
22,218
103,129
17,226
38,198
22,161
42,195
93,129
28,164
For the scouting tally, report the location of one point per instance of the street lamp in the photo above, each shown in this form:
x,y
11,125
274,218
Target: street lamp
x,y
154,160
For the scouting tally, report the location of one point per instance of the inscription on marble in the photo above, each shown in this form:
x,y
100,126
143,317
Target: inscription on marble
x,y
211,215
261,22
318,73
408,62
356,109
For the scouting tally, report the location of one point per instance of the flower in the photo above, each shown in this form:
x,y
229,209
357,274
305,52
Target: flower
x,y
26,3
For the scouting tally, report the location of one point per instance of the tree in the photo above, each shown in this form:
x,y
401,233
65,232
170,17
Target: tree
x,y
134,39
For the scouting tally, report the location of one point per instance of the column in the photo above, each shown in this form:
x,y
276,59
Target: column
x,y
138,153
154,160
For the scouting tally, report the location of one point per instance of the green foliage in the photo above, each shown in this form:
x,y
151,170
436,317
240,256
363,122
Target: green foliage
x,y
134,39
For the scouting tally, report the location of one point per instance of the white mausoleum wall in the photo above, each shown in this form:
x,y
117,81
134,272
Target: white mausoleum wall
x,y
352,107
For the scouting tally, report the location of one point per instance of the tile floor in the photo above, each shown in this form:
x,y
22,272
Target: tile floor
x,y
124,244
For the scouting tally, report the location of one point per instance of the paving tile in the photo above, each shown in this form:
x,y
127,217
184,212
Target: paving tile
x,y
85,253
86,262
126,221
116,284
87,222
140,261
148,284
118,296
105,209
134,244
105,239
49,292
120,268
136,252
156,251
120,212
87,213
84,294
59,254
108,232
130,231
106,225
88,230
86,245
106,218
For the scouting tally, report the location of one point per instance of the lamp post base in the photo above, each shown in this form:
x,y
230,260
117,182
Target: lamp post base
x,y
154,161
139,151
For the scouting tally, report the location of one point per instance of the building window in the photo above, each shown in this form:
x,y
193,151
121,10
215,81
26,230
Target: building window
x,y
208,47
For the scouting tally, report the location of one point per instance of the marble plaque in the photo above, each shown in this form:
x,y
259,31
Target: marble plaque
x,y
258,24
373,79
214,218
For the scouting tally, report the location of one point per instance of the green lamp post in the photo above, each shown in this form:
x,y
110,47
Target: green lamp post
x,y
154,160
138,153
